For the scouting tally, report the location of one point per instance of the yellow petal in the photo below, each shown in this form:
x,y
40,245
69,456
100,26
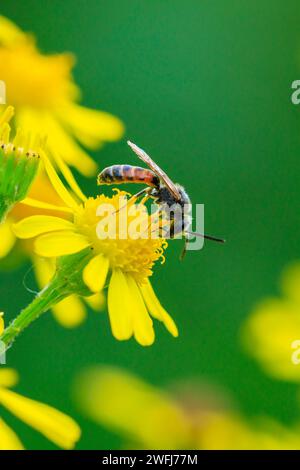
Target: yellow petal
x,y
6,116
8,377
96,301
60,244
56,426
90,126
142,323
5,130
7,238
70,312
119,307
44,269
95,273
73,154
276,350
38,224
58,185
8,438
126,404
9,32
155,308
1,326
28,201
68,175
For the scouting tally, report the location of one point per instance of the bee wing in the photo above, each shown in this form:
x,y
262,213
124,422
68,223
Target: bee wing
x,y
154,167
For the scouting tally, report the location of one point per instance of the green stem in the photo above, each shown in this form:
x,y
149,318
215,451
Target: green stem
x,y
66,281
42,302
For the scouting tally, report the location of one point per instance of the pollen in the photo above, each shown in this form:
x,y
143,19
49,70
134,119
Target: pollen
x,y
134,255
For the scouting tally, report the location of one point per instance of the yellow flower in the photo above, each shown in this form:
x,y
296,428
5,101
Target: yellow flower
x,y
70,312
17,173
131,299
229,431
151,418
53,424
272,332
44,93
148,417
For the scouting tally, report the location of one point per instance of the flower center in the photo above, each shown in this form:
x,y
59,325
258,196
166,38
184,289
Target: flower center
x,y
122,234
33,79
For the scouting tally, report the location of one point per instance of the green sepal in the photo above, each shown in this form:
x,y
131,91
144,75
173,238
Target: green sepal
x,y
17,173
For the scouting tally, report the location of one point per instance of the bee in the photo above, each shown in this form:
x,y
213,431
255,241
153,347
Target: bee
x,y
159,187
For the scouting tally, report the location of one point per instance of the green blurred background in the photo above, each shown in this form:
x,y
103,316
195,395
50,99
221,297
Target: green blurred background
x,y
205,87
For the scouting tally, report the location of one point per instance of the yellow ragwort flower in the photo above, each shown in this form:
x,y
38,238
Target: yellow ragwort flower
x,y
71,312
53,424
18,170
131,299
148,417
45,96
229,431
271,334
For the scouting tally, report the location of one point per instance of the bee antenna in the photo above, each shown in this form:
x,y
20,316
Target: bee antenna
x,y
207,237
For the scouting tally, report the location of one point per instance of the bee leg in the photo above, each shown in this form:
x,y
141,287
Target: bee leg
x,y
155,214
145,199
145,191
184,250
134,197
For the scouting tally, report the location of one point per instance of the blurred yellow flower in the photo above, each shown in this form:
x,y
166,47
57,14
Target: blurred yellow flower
x,y
148,417
271,332
45,96
229,431
131,299
151,418
54,425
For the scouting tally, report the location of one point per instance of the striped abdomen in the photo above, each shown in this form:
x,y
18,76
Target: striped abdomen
x,y
127,174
